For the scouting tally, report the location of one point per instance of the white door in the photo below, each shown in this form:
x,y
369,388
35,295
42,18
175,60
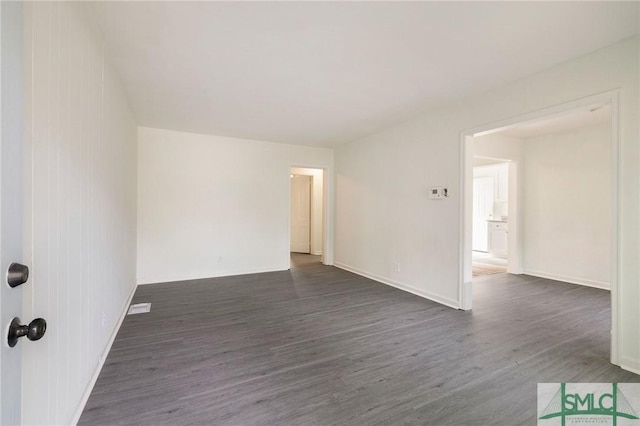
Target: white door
x,y
483,195
11,208
300,213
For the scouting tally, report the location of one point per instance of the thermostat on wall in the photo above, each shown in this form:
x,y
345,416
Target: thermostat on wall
x,y
438,192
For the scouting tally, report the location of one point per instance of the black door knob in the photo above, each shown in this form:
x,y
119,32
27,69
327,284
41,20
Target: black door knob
x,y
17,274
34,331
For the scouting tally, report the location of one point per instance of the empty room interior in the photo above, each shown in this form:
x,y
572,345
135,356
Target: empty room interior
x,y
318,213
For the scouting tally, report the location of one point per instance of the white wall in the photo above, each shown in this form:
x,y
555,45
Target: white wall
x,y
211,206
80,205
316,206
383,215
567,205
498,146
566,201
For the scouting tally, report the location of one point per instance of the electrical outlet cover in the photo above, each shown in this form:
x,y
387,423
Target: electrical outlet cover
x,y
139,308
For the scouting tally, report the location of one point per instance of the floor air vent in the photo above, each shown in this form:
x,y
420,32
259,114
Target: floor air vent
x,y
139,308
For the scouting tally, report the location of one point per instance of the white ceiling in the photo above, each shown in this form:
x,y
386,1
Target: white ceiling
x,y
324,73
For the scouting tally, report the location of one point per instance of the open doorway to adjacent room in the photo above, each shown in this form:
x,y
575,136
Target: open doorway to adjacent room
x,y
490,215
540,213
307,215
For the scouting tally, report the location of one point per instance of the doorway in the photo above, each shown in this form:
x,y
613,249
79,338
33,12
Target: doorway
x,y
307,212
557,213
490,216
301,188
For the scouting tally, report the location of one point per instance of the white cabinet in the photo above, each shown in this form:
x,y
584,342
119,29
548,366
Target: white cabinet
x,y
498,237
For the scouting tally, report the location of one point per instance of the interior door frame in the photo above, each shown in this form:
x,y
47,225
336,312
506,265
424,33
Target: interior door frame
x,y
11,202
327,210
465,292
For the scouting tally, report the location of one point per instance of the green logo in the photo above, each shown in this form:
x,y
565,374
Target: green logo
x,y
588,401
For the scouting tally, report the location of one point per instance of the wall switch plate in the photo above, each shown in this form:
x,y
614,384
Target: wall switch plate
x,y
438,192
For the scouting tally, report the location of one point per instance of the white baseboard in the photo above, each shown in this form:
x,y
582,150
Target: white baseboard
x,y
101,360
165,280
418,292
630,364
317,253
572,280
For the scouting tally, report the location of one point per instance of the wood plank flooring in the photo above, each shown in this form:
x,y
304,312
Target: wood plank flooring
x,y
479,269
321,346
486,264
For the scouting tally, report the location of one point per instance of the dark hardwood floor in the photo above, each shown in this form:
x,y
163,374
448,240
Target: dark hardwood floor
x,y
322,346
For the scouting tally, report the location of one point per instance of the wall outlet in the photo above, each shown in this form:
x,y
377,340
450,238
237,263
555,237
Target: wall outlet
x,y
396,267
